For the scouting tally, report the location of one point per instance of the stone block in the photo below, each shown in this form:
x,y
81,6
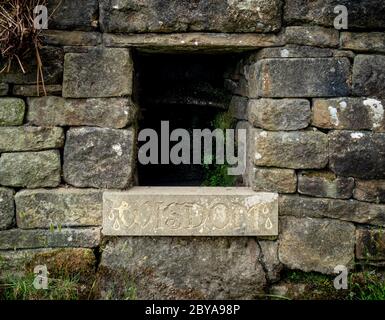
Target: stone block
x,y
296,78
238,107
39,209
7,208
273,180
357,154
101,112
347,210
316,244
370,244
30,138
279,114
325,184
30,169
182,211
369,76
58,238
312,36
363,14
294,51
363,41
349,114
99,157
182,268
4,89
138,16
99,73
73,14
301,150
11,111
370,190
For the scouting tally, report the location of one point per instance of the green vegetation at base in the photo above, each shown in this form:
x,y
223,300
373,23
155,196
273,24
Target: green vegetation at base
x,y
22,288
363,285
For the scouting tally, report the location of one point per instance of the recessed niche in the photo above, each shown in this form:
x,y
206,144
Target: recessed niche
x,y
188,91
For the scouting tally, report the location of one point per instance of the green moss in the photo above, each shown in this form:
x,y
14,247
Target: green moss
x,y
216,174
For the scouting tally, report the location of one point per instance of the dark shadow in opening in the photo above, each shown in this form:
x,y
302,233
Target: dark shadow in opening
x,y
187,90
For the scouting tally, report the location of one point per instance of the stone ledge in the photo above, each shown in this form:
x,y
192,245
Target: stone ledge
x,y
194,41
187,211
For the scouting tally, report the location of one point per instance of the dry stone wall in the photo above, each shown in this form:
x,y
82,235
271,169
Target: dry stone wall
x,y
312,100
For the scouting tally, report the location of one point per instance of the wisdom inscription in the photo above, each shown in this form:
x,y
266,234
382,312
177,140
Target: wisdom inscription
x,y
186,211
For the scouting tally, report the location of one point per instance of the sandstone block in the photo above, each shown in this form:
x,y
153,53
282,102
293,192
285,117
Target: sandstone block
x,y
316,244
60,207
99,73
11,111
101,112
99,157
30,169
7,208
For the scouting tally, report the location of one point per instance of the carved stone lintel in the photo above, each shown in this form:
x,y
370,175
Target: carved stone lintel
x,y
185,211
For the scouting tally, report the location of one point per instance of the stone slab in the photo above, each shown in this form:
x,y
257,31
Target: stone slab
x,y
194,41
186,211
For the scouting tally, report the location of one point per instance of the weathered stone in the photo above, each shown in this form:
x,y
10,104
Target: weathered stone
x,y
318,77
316,244
279,114
4,89
193,41
7,208
294,150
363,41
137,16
52,59
369,76
11,111
273,266
99,157
102,112
312,36
325,185
348,210
58,238
73,14
32,90
274,180
370,190
357,154
363,14
370,244
72,38
30,138
30,169
238,107
182,268
59,262
59,207
293,51
100,73
146,211
349,114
